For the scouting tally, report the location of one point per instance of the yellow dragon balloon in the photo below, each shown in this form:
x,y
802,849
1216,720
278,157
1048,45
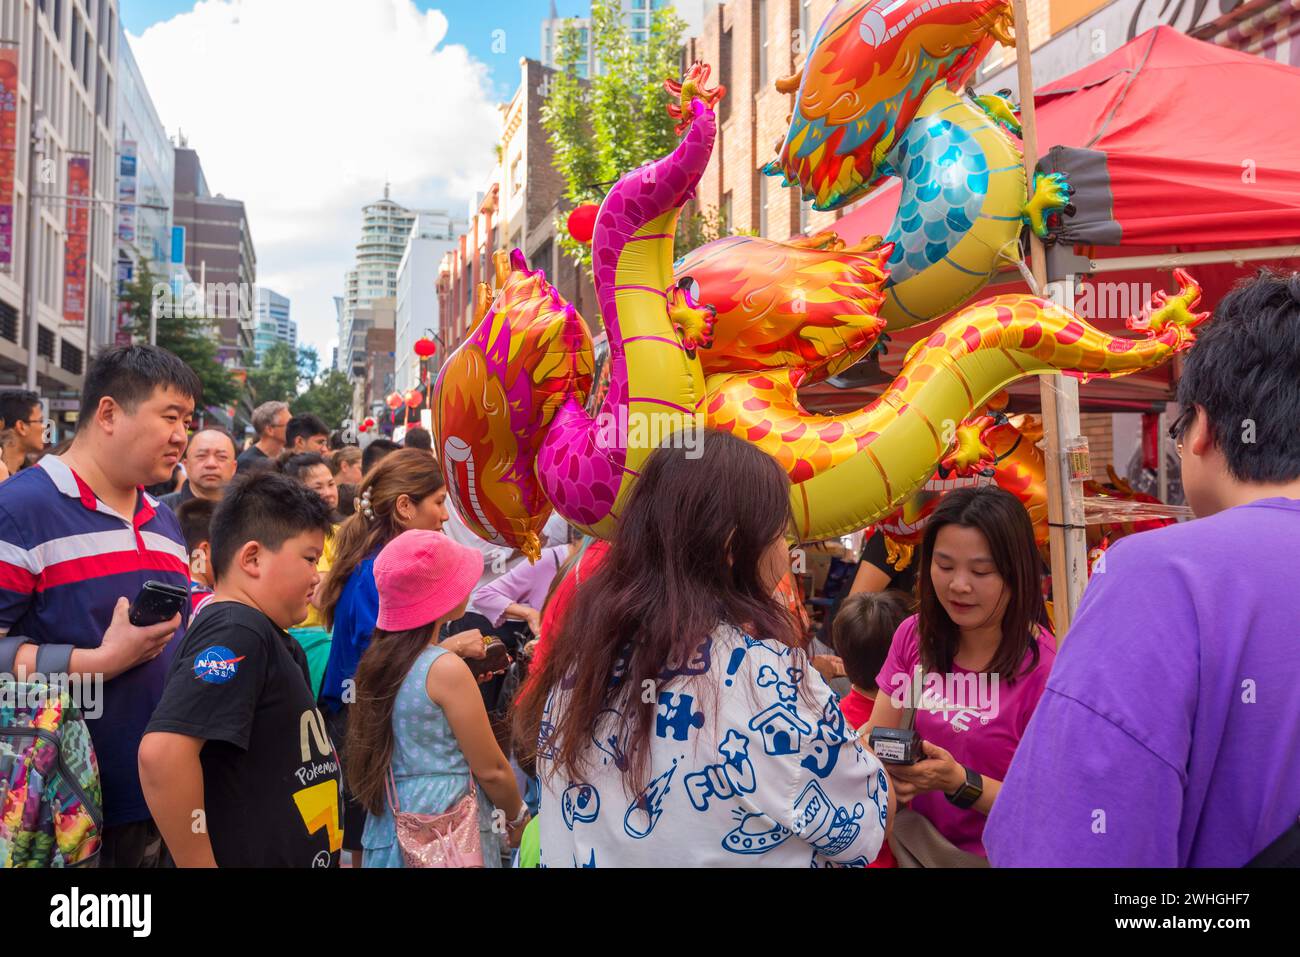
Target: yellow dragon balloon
x,y
728,338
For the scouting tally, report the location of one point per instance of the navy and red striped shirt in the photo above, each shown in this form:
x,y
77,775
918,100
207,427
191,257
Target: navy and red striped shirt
x,y
65,560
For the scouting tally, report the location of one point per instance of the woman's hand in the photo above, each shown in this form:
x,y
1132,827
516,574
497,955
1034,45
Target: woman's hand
x,y
534,619
514,833
467,644
829,666
938,771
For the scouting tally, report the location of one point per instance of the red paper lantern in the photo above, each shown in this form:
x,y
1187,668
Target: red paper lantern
x,y
414,399
394,401
362,427
425,347
369,424
582,222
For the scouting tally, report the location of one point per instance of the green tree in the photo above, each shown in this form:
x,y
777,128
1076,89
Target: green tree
x,y
275,377
329,396
308,364
603,128
192,339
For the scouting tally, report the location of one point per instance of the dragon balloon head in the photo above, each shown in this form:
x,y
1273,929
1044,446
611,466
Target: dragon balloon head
x,y
497,393
867,71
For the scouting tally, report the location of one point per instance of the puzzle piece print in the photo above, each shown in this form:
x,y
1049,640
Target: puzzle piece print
x,y
674,714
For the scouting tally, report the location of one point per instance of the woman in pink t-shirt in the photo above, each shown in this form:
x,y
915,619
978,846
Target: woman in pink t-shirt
x,y
973,661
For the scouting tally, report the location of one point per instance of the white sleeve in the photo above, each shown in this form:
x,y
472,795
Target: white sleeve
x,y
811,775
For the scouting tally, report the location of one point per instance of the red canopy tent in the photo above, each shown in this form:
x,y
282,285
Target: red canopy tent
x,y
1182,153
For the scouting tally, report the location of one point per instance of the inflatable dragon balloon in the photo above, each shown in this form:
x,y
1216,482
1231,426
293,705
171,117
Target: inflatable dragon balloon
x,y
1005,451
728,336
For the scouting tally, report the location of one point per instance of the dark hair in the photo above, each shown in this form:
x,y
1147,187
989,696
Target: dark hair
x,y
337,441
375,451
129,375
1244,371
304,426
264,507
408,472
195,517
16,405
380,673
418,439
296,466
686,557
864,629
997,515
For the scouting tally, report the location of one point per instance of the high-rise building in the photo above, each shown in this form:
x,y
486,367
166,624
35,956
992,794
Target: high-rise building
x,y
432,236
636,15
273,323
219,254
61,72
385,226
145,180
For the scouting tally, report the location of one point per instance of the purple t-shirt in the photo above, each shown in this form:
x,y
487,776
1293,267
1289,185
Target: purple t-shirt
x,y
978,719
1169,734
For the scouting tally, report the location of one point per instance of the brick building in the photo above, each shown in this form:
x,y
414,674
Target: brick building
x,y
516,208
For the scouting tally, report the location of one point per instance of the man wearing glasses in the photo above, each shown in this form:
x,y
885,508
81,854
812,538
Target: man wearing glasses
x,y
270,419
1167,734
209,467
22,414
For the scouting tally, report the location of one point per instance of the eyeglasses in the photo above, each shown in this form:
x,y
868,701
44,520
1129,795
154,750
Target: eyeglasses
x,y
1179,427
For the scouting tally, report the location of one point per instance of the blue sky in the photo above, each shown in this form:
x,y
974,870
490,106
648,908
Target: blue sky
x,y
331,99
471,23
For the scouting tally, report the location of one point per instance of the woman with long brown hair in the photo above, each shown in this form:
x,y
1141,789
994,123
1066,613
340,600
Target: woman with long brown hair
x,y
405,490
676,721
419,735
972,662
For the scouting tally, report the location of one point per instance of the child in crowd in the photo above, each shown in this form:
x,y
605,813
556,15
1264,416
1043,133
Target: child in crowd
x,y
236,744
862,633
312,632
195,516
419,735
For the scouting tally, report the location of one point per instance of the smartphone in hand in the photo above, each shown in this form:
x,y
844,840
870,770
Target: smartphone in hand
x,y
157,602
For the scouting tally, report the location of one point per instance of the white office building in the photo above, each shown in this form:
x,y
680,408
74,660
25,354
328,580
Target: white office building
x,y
385,226
60,59
145,180
432,236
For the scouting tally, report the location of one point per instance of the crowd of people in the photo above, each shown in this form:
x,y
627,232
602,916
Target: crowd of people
x,y
353,662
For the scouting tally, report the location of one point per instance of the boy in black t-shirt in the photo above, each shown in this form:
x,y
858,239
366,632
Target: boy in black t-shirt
x,y
236,764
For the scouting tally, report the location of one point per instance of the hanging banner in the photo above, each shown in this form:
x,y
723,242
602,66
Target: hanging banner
x,y
8,149
125,271
78,223
126,162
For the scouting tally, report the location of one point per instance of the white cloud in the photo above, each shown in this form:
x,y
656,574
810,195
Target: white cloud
x,y
302,108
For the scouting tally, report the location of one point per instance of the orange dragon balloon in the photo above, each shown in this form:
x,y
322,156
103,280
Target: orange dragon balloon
x,y
727,336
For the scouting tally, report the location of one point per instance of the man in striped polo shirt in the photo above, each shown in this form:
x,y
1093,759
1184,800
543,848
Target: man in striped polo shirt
x,y
78,538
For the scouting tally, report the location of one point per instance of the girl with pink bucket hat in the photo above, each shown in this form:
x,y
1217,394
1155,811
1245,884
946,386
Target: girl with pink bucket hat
x,y
419,735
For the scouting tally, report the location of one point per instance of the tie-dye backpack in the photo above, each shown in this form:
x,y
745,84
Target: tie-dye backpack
x,y
50,797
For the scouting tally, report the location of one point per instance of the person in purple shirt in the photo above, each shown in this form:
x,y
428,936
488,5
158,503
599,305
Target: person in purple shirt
x,y
1169,731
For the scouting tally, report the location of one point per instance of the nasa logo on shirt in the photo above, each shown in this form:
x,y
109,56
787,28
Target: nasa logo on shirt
x,y
216,665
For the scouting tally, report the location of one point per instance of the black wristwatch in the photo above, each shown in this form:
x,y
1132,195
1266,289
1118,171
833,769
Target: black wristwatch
x,y
970,792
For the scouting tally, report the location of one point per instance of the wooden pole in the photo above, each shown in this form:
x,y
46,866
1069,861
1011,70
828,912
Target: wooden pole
x,y
1059,394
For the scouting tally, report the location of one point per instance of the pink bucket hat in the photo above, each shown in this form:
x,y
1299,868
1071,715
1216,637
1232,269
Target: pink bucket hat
x,y
422,575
